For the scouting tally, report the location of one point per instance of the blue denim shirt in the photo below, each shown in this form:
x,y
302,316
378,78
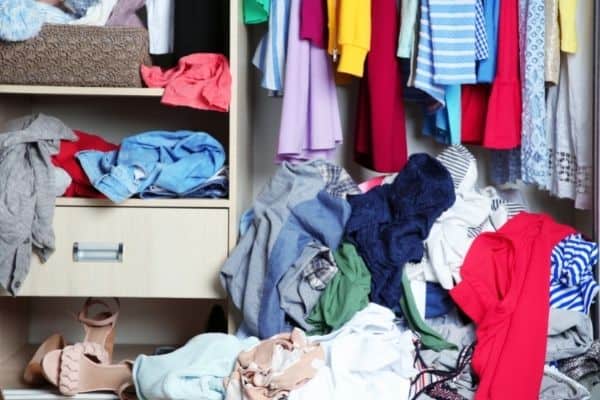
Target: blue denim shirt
x,y
177,162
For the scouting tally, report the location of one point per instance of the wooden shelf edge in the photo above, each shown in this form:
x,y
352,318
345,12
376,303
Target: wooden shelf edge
x,y
80,91
153,203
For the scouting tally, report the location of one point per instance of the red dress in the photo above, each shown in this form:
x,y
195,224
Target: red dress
x,y
380,138
494,119
505,290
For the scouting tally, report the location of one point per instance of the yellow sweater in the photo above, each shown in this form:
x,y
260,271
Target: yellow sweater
x,y
568,25
349,24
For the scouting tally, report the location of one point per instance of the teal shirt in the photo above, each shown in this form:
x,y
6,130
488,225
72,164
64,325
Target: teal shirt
x,y
256,11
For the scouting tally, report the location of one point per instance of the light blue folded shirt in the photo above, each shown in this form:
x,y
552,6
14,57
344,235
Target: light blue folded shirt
x,y
176,162
195,371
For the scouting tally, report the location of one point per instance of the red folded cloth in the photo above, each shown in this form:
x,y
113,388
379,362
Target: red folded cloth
x,y
201,81
65,159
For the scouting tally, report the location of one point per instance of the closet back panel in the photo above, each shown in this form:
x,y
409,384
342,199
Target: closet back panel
x,y
115,118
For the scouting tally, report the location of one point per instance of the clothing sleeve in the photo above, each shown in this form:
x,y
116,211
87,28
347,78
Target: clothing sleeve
x,y
161,15
354,36
568,25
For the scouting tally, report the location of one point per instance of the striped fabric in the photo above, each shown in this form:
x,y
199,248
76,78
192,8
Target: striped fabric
x,y
462,166
271,51
453,38
572,283
481,40
424,71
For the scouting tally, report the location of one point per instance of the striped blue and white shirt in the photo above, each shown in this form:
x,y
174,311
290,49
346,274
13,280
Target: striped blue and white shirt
x,y
572,283
453,40
270,54
424,71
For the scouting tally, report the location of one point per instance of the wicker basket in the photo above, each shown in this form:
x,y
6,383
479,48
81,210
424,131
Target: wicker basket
x,y
70,55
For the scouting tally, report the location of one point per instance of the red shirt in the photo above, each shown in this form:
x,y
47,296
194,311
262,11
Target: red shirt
x,y
505,291
65,159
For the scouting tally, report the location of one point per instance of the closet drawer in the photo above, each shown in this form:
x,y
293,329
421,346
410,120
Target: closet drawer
x,y
173,253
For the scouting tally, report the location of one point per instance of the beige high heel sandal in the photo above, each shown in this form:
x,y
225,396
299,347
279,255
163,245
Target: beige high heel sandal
x,y
74,371
99,334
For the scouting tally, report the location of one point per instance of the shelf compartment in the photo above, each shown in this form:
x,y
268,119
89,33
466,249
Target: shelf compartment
x,y
80,91
141,203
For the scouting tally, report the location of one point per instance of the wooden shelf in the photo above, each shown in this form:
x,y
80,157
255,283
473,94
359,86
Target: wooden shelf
x,y
153,203
11,370
80,91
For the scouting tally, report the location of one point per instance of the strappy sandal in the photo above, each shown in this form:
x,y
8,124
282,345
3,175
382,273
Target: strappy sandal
x,y
99,329
74,371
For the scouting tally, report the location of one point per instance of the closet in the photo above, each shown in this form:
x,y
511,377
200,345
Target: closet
x,y
161,257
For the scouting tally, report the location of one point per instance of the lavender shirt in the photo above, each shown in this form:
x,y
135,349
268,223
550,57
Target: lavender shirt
x,y
310,121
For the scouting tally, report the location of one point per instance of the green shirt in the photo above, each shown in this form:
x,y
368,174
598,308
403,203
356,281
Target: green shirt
x,y
346,294
256,11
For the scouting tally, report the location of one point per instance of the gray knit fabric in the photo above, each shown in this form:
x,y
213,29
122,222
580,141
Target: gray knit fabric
x,y
27,186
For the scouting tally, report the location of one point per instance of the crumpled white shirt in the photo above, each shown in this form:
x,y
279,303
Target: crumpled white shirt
x,y
368,358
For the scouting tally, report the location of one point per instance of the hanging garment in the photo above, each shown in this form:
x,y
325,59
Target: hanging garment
x,y
567,10
256,11
275,367
81,186
505,166
313,25
453,41
310,121
161,25
534,146
346,294
270,55
444,123
481,40
474,100
572,282
423,76
200,27
551,42
504,292
380,136
62,181
367,358
569,126
486,68
124,14
408,23
390,222
27,197
175,161
194,371
201,81
503,117
349,23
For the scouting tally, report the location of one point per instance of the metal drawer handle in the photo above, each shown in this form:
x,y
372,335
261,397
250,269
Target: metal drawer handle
x,y
97,252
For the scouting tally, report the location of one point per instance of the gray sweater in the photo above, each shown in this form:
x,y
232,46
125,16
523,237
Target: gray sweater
x,y
27,193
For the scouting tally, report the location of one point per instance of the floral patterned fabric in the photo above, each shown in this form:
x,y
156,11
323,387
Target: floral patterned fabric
x,y
534,142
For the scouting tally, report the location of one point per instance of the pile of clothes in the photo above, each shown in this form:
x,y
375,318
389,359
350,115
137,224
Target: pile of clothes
x,y
41,158
487,299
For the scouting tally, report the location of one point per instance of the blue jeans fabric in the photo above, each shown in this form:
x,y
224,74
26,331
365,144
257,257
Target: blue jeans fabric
x,y
177,162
